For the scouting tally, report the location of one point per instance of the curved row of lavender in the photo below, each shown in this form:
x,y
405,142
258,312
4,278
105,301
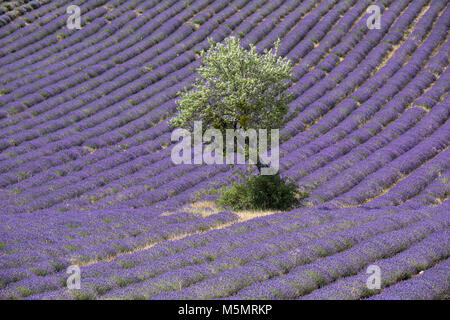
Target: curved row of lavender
x,y
86,176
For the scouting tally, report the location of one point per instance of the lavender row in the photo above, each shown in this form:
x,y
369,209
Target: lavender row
x,y
137,267
432,284
151,52
415,182
48,19
402,266
15,9
375,183
121,43
348,105
66,47
10,32
306,278
35,41
369,141
58,230
50,259
113,73
351,123
411,140
297,141
354,57
433,194
305,216
302,217
209,260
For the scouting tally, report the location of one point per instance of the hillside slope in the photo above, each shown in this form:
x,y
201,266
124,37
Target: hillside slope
x,y
86,175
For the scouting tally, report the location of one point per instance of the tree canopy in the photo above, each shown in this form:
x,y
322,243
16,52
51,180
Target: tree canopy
x,y
237,89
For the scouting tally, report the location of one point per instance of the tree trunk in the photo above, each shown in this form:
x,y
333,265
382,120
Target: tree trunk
x,y
260,165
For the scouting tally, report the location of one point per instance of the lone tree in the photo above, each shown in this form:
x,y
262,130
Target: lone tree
x,y
237,89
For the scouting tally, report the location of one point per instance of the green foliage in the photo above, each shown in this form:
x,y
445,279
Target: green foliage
x,y
45,94
261,192
235,197
4,91
237,88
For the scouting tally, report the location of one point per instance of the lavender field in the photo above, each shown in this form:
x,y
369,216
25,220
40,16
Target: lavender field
x,y
86,176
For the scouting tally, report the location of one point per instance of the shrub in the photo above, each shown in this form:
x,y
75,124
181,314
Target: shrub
x,y
261,192
235,197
